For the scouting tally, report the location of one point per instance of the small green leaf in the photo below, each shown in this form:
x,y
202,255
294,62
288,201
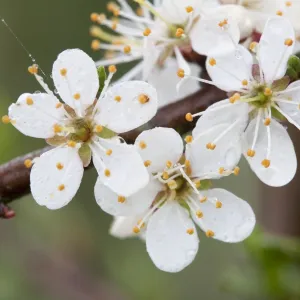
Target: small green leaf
x,y
102,78
294,63
280,84
85,154
292,73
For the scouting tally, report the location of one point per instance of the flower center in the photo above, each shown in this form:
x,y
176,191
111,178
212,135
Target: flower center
x,y
82,130
261,97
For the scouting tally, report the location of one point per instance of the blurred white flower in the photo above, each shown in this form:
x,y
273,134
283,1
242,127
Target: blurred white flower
x,y
173,200
82,128
263,95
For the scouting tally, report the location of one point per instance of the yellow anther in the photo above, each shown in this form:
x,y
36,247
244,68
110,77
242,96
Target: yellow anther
x,y
141,223
279,13
147,32
268,92
187,163
57,128
179,32
109,152
219,204
29,101
180,73
221,170
267,121
165,175
234,98
127,49
288,3
28,163
210,233
118,98
139,11
252,46
58,105
211,146
199,214
142,145
59,166
251,153
197,184
33,69
147,163
172,184
245,82
169,164
288,42
223,23
72,144
203,200
112,69
121,199
5,119
236,171
98,128
190,231
107,172
94,17
143,99
188,139
136,230
114,25
76,96
95,45
189,9
63,72
61,187
188,171
266,163
189,117
212,61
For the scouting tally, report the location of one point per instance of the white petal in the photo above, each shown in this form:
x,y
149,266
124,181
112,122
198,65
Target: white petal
x,y
292,109
166,88
46,179
231,69
273,53
283,158
208,38
81,78
133,205
169,245
162,145
127,171
36,120
231,223
121,227
129,113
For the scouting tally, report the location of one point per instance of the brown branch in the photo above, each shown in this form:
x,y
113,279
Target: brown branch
x,y
14,176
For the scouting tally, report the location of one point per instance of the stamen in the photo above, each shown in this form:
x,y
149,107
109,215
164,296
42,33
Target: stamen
x,y
210,146
267,121
188,139
107,172
212,62
255,133
236,171
203,200
76,96
5,119
57,128
33,69
245,82
221,170
28,163
121,199
266,163
288,3
71,144
179,32
279,13
147,163
147,32
288,42
253,46
59,166
118,98
219,204
251,153
142,145
58,105
61,187
63,72
189,117
169,164
98,128
210,233
127,49
109,152
95,45
165,175
180,73
268,92
189,9
190,231
112,69
172,184
235,98
143,99
29,101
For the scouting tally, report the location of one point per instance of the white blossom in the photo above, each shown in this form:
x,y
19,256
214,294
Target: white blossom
x,y
262,97
86,126
168,208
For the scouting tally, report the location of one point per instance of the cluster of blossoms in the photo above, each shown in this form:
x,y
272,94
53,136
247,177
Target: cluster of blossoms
x,y
160,187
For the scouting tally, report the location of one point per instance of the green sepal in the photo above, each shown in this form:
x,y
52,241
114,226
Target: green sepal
x,y
106,133
292,73
205,185
294,63
85,154
280,84
102,77
277,115
56,140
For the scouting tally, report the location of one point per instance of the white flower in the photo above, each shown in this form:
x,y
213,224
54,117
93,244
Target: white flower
x,y
262,96
82,128
159,33
172,202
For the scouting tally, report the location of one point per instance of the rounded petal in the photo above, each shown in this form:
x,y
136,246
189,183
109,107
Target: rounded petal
x,y
208,38
282,156
292,108
128,113
133,205
36,114
158,146
76,79
121,227
126,171
231,69
169,245
55,177
273,54
231,223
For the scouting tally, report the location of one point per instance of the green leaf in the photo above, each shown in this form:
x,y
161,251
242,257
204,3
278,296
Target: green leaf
x,y
85,154
102,78
294,63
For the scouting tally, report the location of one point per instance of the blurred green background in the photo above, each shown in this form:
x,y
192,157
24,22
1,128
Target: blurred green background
x,y
68,254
